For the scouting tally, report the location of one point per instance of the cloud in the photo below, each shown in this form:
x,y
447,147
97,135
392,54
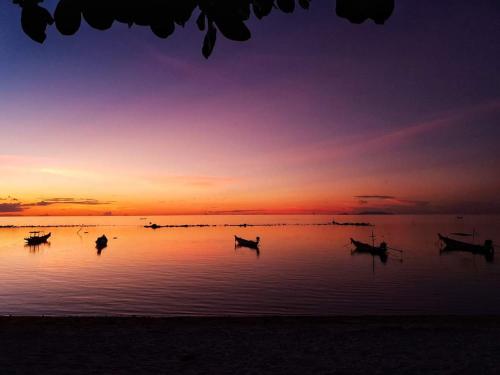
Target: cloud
x,y
9,198
195,181
236,212
390,204
330,150
10,207
382,197
16,206
52,201
414,203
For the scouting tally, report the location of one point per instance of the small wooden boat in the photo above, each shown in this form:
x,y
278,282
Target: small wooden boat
x,y
247,243
153,226
37,238
452,244
365,248
101,242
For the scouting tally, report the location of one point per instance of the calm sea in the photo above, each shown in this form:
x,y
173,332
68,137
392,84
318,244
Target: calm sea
x,y
300,269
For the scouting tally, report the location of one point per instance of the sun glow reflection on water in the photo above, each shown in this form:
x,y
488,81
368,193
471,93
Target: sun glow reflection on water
x,y
301,269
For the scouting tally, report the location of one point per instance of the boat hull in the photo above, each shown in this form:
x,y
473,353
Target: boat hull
x,y
365,248
101,242
246,243
456,245
37,240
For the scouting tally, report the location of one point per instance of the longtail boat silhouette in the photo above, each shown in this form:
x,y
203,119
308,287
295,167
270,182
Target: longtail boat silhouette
x,y
454,245
247,243
101,242
153,226
366,248
37,238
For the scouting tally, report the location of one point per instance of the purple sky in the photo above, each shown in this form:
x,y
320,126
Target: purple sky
x,y
308,115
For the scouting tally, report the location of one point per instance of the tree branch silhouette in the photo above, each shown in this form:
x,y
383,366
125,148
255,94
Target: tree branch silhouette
x,y
226,17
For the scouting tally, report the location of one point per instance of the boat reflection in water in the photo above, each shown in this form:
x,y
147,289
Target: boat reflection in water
x,y
248,244
451,245
36,248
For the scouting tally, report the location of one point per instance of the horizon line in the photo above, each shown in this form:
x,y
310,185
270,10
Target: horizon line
x,y
269,214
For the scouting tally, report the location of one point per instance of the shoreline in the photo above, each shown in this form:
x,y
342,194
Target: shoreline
x,y
260,345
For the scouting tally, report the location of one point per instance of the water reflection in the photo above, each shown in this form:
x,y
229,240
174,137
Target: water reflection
x,y
254,249
194,271
35,248
489,256
100,249
382,256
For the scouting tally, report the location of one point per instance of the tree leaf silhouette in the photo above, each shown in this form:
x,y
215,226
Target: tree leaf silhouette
x,y
34,21
358,11
226,16
68,16
304,4
97,14
262,8
233,29
209,42
287,6
201,21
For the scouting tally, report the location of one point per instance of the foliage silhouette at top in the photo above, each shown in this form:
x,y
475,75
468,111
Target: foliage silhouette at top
x,y
225,16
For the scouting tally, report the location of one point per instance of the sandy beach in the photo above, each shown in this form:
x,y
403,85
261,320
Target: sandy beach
x,y
337,345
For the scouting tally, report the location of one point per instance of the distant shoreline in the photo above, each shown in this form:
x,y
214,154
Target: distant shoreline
x,y
260,214
273,345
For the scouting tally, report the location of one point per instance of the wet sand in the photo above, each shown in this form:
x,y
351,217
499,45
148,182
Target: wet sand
x,y
338,345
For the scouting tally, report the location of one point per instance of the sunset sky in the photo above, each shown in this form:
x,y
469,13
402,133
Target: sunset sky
x,y
313,114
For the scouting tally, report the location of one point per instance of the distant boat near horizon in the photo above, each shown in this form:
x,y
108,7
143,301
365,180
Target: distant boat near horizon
x,y
37,238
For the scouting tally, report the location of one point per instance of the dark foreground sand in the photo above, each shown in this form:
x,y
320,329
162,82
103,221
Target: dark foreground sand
x,y
367,345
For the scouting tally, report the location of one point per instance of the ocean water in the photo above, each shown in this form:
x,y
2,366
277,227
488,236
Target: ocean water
x,y
301,268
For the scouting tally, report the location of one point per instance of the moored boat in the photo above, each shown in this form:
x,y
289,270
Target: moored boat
x,y
247,243
366,248
452,244
37,238
101,242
